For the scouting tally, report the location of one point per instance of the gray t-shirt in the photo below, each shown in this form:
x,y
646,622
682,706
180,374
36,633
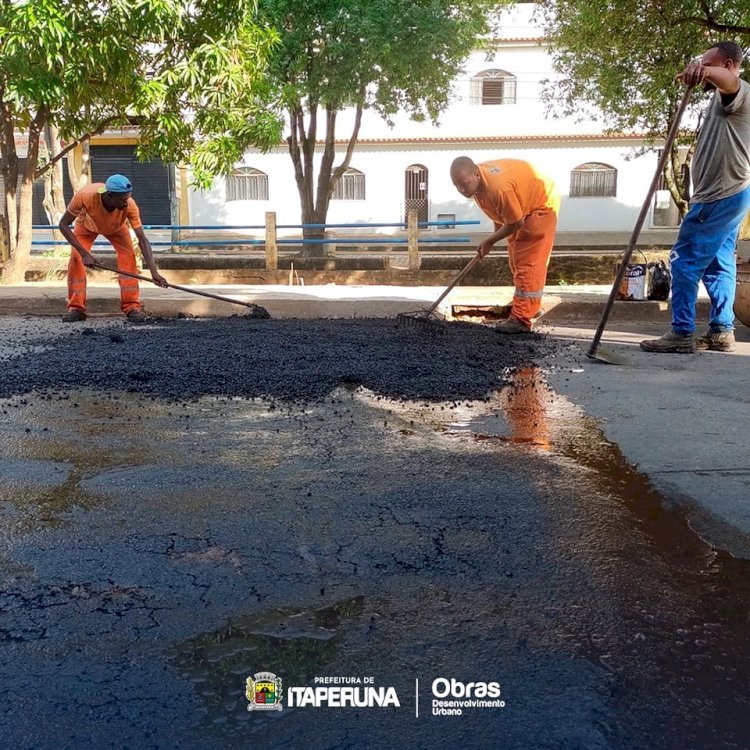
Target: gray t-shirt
x,y
721,164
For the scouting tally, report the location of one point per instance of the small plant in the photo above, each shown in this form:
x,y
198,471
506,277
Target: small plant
x,y
59,260
562,282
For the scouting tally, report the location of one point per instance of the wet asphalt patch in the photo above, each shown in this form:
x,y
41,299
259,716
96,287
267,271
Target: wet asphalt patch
x,y
289,359
153,557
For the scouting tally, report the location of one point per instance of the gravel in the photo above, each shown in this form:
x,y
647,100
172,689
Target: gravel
x,y
182,359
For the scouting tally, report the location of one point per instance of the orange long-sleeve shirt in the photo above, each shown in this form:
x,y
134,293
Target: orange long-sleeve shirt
x,y
511,189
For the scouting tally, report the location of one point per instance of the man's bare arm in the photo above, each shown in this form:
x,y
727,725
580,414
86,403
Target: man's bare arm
x,y
725,81
148,257
504,230
64,226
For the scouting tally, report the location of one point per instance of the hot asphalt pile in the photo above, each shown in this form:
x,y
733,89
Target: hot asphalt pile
x,y
242,356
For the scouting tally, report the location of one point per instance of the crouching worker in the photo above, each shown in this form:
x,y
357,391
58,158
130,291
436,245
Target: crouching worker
x,y
523,204
106,209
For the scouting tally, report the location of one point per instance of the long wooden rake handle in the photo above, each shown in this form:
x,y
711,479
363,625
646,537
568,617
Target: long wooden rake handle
x,y
671,136
455,281
175,286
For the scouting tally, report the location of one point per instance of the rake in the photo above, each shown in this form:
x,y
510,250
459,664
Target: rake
x,y
257,310
609,357
427,320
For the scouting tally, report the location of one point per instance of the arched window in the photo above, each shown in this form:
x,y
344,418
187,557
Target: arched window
x,y
493,86
350,187
247,184
593,179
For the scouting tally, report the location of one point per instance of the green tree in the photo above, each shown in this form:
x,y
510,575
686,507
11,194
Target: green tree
x,y
384,55
618,58
207,96
69,68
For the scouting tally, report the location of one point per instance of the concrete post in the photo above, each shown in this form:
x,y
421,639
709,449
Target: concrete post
x,y
412,235
174,208
272,250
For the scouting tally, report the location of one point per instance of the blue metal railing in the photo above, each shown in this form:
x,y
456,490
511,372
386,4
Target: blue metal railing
x,y
222,227
384,240
314,241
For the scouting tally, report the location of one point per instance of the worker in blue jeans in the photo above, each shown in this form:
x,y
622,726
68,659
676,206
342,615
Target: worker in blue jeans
x,y
705,247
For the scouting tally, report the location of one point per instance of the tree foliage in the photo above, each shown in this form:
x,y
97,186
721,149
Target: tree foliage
x,y
77,66
619,58
383,55
206,97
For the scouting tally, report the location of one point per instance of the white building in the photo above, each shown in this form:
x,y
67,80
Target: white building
x,y
496,111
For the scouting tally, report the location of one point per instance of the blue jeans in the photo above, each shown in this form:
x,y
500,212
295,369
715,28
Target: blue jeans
x,y
704,251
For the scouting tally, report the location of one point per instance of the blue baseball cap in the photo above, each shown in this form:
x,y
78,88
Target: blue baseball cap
x,y
117,183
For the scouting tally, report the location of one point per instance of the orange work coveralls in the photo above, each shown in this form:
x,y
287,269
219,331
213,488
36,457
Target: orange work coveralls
x,y
512,190
92,219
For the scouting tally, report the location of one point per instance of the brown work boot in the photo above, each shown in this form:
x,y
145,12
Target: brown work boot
x,y
74,316
512,325
716,341
673,343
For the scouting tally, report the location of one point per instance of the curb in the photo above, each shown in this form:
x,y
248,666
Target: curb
x,y
304,303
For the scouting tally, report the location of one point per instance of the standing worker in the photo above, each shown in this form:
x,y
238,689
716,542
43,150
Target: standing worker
x,y
523,204
106,209
706,242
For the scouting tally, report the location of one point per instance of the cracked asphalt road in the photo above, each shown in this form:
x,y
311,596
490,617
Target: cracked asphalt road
x,y
159,544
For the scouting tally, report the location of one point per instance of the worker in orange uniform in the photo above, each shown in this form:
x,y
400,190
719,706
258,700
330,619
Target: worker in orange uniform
x,y
523,204
106,209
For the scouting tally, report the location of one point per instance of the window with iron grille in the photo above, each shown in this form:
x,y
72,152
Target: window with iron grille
x,y
247,184
493,87
350,187
593,180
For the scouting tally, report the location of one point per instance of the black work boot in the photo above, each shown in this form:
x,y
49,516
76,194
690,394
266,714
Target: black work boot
x,y
74,316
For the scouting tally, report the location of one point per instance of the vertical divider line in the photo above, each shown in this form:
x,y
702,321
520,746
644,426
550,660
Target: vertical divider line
x,y
416,697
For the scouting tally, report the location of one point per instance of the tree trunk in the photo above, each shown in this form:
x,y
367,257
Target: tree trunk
x,y
685,172
15,269
15,243
4,247
9,160
675,183
299,144
302,145
54,199
79,178
325,182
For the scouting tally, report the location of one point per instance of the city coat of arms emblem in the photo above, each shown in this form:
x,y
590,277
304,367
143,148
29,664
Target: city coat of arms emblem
x,y
264,692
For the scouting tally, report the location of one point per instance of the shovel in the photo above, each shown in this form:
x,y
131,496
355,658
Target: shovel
x,y
609,357
258,311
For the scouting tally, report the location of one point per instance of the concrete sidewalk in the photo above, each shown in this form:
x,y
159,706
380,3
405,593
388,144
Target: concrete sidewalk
x,y
682,420
561,303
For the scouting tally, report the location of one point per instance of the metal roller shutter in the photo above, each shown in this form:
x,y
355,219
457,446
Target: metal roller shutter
x,y
150,179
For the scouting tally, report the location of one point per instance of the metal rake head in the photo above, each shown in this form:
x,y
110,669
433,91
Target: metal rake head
x,y
257,311
421,321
